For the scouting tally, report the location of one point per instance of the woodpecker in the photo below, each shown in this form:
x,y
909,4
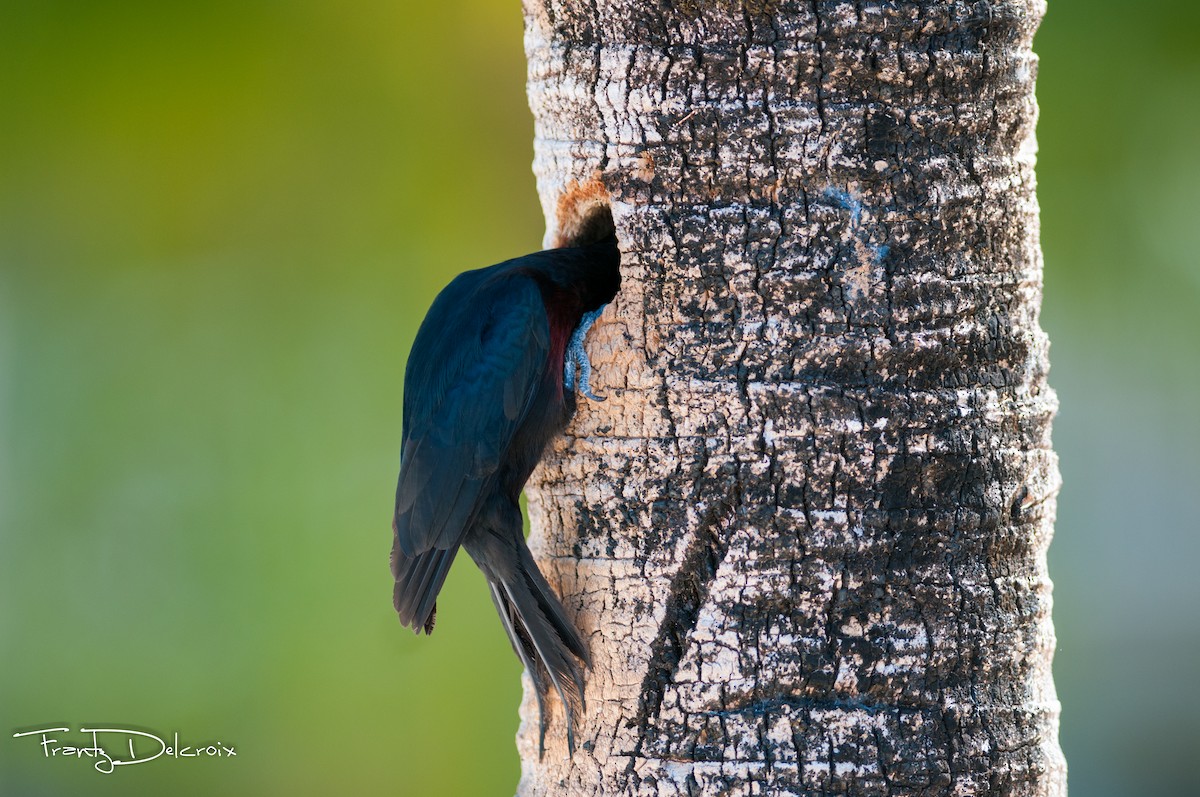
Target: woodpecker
x,y
490,380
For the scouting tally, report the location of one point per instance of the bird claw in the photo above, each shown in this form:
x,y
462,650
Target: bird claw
x,y
576,354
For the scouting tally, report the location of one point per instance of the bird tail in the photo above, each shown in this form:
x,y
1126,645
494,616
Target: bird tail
x,y
419,579
540,633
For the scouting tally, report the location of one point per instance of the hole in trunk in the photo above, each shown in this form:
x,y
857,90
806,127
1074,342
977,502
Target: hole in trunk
x,y
596,224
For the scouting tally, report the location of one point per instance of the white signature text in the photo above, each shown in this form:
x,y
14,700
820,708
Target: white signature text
x,y
110,748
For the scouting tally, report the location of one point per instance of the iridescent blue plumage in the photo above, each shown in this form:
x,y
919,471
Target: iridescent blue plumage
x,y
482,398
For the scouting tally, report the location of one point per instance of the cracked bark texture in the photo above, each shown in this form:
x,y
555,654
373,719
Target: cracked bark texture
x,y
805,536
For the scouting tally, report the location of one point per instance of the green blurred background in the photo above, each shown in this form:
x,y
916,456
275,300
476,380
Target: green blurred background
x,y
220,224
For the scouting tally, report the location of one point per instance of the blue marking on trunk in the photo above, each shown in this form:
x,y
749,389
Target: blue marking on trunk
x,y
852,203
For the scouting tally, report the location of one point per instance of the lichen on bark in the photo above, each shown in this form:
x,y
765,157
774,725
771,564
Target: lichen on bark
x,y
805,535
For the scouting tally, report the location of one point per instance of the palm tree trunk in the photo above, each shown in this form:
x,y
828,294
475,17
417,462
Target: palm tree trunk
x,y
805,536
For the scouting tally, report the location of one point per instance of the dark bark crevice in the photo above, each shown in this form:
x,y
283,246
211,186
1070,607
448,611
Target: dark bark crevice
x,y
686,595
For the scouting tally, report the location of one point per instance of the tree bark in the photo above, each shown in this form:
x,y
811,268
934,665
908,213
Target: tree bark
x,y
805,536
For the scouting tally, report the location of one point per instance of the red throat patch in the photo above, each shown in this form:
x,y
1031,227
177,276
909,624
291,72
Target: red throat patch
x,y
563,315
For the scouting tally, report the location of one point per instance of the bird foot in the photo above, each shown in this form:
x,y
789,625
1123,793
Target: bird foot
x,y
577,355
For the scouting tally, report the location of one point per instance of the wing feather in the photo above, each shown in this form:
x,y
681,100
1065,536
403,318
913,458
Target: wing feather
x,y
475,367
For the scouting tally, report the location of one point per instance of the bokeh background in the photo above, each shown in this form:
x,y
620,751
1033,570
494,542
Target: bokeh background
x,y
220,224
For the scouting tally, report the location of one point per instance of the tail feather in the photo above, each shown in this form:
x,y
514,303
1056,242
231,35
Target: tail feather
x,y
553,610
516,632
544,640
419,579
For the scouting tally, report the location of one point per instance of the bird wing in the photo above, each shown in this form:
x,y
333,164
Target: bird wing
x,y
474,369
